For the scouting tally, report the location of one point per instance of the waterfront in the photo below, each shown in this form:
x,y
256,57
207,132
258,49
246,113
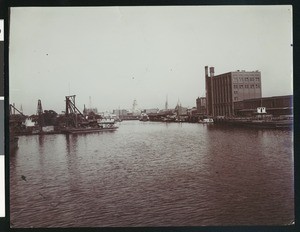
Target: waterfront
x,y
154,174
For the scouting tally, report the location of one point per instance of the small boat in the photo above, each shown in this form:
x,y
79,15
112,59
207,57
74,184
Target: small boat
x,y
144,117
206,120
118,120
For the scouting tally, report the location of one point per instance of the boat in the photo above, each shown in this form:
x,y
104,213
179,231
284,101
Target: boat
x,y
78,123
169,119
262,123
144,117
118,120
80,130
86,130
260,119
102,125
206,120
267,123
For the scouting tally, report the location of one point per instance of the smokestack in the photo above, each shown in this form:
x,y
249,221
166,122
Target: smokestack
x,y
212,71
206,71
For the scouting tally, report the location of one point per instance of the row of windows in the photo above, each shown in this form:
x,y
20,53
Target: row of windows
x,y
246,79
246,86
246,74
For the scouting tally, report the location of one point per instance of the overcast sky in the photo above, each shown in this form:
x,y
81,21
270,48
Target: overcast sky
x,y
117,54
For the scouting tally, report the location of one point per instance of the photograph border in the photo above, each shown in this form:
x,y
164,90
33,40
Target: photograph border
x,y
5,14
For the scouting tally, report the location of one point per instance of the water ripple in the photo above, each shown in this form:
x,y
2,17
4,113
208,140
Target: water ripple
x,y
154,174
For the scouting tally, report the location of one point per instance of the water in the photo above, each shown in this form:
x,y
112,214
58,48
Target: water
x,y
154,174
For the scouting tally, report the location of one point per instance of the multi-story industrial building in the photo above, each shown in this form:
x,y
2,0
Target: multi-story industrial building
x,y
225,89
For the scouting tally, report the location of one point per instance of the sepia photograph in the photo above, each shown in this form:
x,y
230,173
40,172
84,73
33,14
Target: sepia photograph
x,y
151,116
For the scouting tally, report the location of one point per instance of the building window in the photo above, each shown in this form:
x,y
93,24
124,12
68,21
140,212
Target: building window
x,y
247,86
251,86
235,86
251,78
241,79
247,79
235,92
257,86
235,98
257,78
235,79
241,86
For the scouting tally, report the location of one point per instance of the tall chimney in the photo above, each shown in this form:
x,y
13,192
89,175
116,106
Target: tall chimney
x,y
212,71
206,71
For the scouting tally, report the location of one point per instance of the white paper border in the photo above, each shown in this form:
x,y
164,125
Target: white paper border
x,y
2,186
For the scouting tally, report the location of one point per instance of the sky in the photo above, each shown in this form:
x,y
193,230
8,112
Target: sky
x,y
113,55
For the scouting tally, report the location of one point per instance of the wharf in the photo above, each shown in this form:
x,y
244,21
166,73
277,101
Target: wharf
x,y
272,124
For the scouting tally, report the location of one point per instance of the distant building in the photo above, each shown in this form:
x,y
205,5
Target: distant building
x,y
225,89
90,110
87,111
201,105
193,115
119,112
150,111
180,110
276,106
135,109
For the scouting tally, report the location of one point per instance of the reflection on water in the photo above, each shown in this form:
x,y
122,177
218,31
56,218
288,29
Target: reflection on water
x,y
154,174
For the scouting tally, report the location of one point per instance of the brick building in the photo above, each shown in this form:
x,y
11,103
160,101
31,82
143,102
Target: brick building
x,y
201,105
223,90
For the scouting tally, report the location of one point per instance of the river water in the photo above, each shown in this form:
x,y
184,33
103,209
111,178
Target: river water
x,y
154,174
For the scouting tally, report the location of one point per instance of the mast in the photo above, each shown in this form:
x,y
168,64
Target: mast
x,y
166,104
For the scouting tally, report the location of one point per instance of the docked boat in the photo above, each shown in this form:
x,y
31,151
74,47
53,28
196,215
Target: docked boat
x,y
263,123
283,121
102,125
86,130
144,117
169,119
206,120
78,123
260,119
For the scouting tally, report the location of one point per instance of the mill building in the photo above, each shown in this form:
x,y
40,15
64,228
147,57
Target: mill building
x,y
223,90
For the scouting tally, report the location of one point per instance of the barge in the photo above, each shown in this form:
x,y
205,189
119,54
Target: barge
x,y
260,119
78,123
262,123
102,125
283,122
